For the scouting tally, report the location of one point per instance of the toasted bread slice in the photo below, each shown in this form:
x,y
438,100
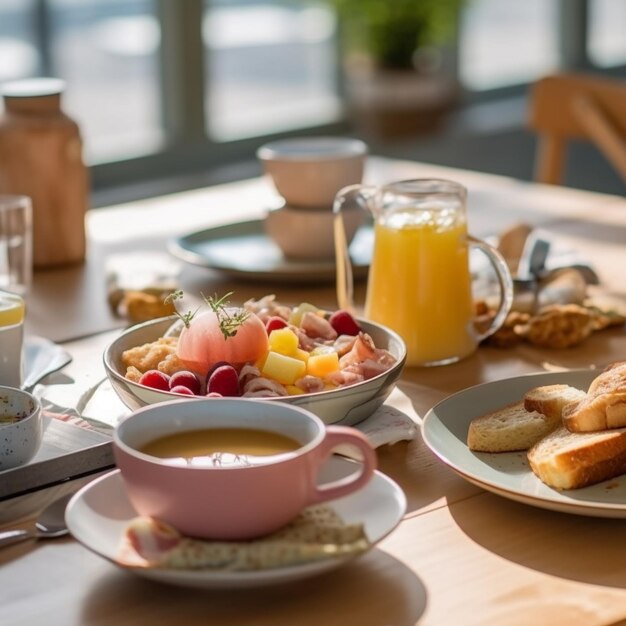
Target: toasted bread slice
x,y
508,429
566,460
551,399
604,406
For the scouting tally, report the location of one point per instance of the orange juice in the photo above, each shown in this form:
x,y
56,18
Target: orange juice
x,y
11,309
419,285
11,339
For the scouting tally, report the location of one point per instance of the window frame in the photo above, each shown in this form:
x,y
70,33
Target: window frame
x,y
189,150
188,147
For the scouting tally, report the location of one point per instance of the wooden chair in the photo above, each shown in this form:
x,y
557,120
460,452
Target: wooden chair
x,y
575,106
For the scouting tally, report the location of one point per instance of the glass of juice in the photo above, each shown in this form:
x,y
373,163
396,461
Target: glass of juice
x,y
11,339
419,282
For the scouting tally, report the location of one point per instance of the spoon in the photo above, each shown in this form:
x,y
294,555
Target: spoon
x,y
50,524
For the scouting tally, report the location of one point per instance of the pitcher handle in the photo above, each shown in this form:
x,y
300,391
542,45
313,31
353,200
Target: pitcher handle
x,y
345,280
505,282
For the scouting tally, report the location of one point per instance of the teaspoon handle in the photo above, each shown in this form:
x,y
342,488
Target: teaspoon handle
x,y
10,537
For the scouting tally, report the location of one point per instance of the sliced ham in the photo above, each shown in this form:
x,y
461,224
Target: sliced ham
x,y
318,327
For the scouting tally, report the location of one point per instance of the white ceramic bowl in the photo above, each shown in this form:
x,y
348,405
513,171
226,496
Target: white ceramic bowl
x,y
310,234
345,405
309,171
20,439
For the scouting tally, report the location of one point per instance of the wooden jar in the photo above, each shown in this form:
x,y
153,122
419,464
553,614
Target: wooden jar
x,y
41,157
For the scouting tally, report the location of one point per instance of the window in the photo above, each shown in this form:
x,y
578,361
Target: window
x,y
607,32
19,56
106,50
269,67
504,42
175,87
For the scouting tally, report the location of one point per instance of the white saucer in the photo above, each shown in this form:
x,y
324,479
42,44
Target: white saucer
x,y
98,515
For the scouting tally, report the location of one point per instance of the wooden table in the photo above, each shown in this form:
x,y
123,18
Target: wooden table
x,y
460,556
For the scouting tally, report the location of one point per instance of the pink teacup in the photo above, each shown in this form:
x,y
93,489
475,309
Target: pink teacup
x,y
214,501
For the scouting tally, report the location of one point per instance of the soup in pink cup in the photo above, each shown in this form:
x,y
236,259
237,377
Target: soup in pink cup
x,y
231,469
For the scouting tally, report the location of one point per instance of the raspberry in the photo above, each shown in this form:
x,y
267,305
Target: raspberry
x,y
211,370
274,323
344,323
224,380
182,390
156,380
185,379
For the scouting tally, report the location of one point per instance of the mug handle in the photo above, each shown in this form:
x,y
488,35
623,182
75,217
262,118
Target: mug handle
x,y
344,435
505,282
345,282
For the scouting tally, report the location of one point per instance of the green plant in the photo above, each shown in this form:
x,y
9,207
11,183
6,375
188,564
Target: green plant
x,y
391,31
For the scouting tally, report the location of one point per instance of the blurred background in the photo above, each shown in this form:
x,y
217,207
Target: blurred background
x,y
176,94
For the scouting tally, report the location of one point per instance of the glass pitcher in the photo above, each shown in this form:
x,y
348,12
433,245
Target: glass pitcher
x,y
419,281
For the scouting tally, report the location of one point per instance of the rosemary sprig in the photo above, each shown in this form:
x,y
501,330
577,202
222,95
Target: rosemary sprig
x,y
185,317
229,323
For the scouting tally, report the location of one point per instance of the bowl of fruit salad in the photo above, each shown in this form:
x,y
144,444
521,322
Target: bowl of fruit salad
x,y
337,366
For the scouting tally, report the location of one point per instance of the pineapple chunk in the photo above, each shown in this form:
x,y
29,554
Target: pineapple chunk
x,y
295,317
321,365
292,390
303,355
285,369
284,341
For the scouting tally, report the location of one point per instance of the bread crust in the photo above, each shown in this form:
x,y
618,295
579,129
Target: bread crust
x,y
552,399
544,423
601,409
566,460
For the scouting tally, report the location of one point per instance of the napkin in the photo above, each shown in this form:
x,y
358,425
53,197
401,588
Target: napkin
x,y
66,402
394,421
317,533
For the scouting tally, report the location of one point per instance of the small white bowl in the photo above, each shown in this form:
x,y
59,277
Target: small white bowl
x,y
20,439
309,235
309,171
346,405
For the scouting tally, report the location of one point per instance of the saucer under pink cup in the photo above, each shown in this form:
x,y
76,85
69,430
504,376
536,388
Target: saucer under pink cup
x,y
233,503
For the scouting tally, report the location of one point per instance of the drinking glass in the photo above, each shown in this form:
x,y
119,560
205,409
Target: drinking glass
x,y
16,255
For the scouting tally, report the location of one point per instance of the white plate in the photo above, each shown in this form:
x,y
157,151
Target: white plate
x,y
243,250
98,514
508,474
